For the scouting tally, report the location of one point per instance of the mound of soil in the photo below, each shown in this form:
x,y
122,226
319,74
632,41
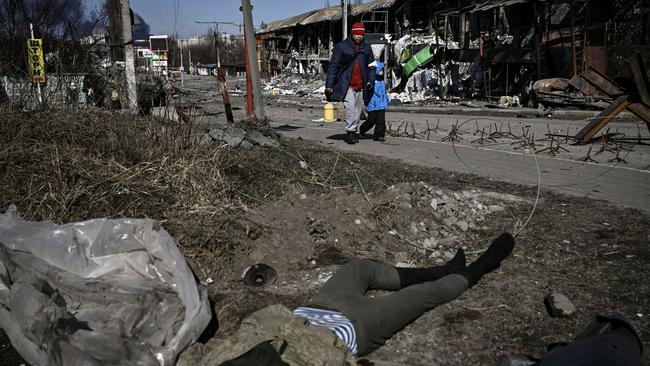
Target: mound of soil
x,y
566,248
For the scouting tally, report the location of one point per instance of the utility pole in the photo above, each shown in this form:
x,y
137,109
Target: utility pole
x,y
216,35
250,110
251,54
121,36
344,5
129,56
216,44
182,68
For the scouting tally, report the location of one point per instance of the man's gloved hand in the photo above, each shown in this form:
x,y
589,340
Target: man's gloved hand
x,y
328,94
369,86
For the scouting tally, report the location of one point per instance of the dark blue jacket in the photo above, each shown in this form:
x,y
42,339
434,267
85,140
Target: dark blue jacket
x,y
341,66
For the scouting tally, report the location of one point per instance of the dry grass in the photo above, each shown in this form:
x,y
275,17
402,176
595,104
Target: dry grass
x,y
75,165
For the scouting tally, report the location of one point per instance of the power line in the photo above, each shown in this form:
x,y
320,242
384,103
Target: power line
x,y
176,7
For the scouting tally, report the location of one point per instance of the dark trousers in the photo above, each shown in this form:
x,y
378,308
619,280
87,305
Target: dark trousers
x,y
607,341
376,119
376,319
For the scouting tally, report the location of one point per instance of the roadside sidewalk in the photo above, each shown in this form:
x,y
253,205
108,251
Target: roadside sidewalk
x,y
565,114
620,185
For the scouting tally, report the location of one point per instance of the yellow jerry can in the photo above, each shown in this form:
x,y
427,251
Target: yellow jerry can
x,y
329,113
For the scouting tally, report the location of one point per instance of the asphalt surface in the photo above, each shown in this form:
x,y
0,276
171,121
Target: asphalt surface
x,y
620,174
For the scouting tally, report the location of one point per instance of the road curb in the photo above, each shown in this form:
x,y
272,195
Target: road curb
x,y
490,112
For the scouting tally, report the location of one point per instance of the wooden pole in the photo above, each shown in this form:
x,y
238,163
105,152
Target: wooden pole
x,y
253,67
226,96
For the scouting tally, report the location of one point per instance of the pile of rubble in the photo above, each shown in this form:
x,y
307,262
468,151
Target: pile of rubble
x,y
439,218
309,86
237,137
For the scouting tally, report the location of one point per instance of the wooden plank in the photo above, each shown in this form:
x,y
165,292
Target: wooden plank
x,y
225,94
585,135
640,77
603,83
581,84
642,111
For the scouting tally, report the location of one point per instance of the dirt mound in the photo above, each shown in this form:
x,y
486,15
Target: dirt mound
x,y
406,224
306,236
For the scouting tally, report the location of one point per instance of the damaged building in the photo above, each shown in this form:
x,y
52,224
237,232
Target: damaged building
x,y
469,48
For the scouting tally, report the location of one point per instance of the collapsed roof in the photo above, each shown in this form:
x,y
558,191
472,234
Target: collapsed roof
x,y
331,14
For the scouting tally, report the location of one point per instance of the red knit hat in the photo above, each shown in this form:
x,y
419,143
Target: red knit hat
x,y
358,28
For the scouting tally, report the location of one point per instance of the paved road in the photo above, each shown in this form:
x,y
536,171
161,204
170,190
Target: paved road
x,y
628,187
623,184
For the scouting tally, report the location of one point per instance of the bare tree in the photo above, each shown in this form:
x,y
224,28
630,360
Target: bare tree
x,y
60,23
231,52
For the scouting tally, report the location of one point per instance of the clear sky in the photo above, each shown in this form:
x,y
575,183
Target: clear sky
x,y
160,14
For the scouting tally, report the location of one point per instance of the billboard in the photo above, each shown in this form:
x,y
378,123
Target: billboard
x,y
35,60
158,43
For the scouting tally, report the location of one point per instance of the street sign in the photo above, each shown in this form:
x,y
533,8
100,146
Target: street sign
x,y
181,69
35,60
144,53
159,63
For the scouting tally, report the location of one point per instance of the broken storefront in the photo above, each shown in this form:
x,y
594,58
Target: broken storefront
x,y
467,48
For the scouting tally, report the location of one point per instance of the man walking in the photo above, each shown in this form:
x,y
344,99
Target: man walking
x,y
350,80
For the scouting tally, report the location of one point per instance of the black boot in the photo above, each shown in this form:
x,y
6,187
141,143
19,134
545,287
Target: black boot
x,y
499,250
363,129
412,276
350,138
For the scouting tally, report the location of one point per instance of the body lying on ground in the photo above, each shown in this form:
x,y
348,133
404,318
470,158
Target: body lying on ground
x,y
340,323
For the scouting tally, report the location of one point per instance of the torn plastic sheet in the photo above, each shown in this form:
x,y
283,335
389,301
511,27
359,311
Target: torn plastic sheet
x,y
432,39
98,292
377,50
423,79
400,44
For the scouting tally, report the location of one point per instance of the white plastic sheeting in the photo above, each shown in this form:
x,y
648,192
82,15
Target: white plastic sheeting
x,y
98,292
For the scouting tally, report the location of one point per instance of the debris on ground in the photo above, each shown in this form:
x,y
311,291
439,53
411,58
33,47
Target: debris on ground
x,y
259,275
561,93
238,137
305,85
559,305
